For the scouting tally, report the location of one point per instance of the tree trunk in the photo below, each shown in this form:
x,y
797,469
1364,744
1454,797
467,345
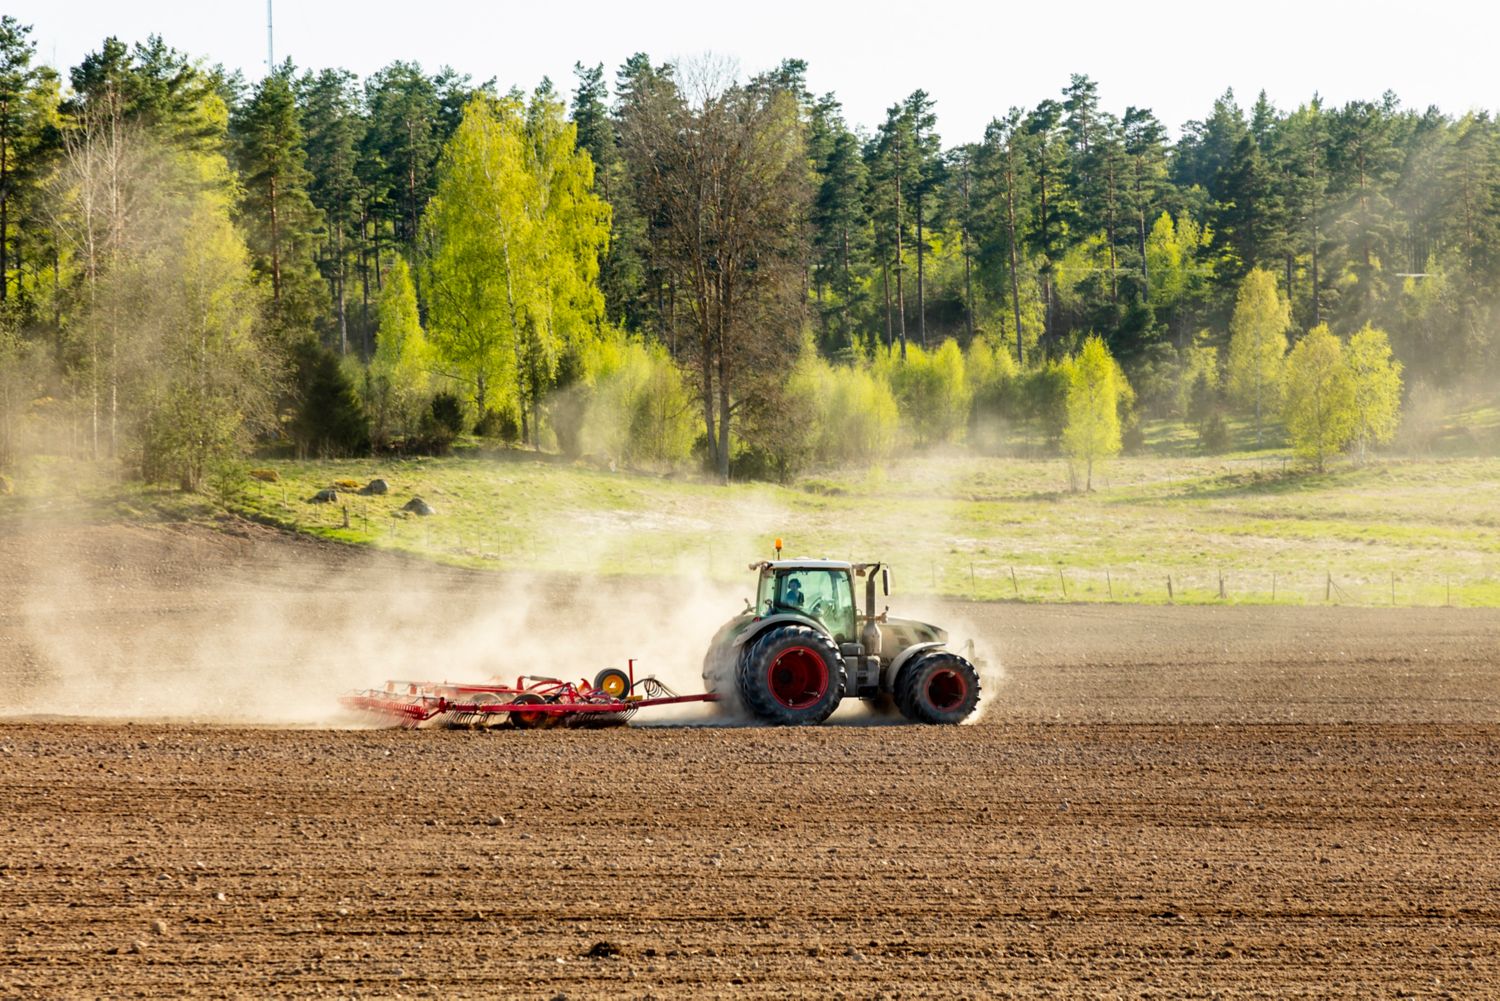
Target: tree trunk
x,y
1316,298
900,285
844,292
921,281
968,286
275,253
1015,264
1145,268
885,284
723,423
4,217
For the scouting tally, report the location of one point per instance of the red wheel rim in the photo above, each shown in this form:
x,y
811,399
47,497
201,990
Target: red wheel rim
x,y
946,690
798,677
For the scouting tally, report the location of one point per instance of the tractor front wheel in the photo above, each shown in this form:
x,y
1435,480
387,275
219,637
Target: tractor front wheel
x,y
938,687
791,676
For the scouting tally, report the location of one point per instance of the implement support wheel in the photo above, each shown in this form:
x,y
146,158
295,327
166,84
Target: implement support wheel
x,y
613,682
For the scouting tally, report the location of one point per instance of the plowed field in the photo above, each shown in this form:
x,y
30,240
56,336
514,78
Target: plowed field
x,y
1158,802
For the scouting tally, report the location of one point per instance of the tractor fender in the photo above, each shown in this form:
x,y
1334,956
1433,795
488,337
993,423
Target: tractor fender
x,y
888,681
771,621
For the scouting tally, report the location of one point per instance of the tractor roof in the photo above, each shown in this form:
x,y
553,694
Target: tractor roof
x,y
803,564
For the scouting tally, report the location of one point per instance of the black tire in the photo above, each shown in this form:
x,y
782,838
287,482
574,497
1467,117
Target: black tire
x,y
721,678
937,687
613,681
791,676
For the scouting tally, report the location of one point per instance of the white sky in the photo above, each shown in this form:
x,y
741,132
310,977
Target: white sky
x,y
976,59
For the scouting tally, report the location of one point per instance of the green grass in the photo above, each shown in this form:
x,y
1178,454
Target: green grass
x,y
987,528
954,525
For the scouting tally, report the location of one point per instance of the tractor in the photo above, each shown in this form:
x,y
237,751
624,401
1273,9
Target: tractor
x,y
803,647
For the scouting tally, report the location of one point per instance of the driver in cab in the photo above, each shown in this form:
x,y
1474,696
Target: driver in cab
x,y
792,597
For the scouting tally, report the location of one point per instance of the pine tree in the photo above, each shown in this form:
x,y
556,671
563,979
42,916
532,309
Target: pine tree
x,y
329,104
1001,169
28,98
840,221
283,226
1052,207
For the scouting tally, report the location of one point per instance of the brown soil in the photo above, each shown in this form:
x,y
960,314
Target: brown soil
x,y
1160,802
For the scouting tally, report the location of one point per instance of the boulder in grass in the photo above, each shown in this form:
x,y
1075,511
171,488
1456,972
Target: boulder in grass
x,y
418,506
376,487
327,495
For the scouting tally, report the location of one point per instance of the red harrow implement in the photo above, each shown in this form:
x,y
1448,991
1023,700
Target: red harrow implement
x,y
532,703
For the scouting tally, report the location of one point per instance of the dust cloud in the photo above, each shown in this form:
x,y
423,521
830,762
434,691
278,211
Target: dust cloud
x,y
249,626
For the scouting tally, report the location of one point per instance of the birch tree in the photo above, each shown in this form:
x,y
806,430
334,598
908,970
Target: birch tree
x,y
1257,346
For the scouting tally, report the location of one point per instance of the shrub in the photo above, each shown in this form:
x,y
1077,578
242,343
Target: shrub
x,y
848,414
446,413
994,387
1213,434
638,410
930,389
330,420
499,422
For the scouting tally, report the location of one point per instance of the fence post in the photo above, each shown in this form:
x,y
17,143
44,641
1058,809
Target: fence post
x,y
1170,597
1109,584
1393,589
1273,585
971,579
1064,582
346,515
1328,587
1013,582
1222,595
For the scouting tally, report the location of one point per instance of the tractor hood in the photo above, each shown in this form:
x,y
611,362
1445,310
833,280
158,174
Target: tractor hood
x,y
898,634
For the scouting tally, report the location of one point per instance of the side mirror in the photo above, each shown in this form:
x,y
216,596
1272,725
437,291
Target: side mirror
x,y
885,580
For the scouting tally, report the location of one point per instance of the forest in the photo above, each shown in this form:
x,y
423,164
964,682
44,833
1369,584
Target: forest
x,y
685,267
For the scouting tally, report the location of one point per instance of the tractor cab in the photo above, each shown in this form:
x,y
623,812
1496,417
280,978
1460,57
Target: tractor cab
x,y
819,589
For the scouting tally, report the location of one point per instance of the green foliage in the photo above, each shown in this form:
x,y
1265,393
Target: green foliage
x,y
398,380
931,390
515,232
1092,433
995,391
1375,382
1257,346
542,229
639,411
848,413
1319,397
284,227
330,420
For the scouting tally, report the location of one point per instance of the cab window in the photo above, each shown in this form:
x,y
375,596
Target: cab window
x,y
825,595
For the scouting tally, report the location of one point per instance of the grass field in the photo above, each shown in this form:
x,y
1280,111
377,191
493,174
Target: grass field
x,y
1250,526
1403,532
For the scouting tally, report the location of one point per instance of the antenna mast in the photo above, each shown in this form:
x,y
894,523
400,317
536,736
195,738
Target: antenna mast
x,y
270,43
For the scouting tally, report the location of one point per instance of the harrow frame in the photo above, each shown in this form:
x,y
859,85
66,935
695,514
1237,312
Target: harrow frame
x,y
533,702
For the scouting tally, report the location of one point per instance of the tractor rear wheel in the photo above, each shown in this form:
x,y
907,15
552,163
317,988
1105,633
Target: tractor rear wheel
x,y
791,676
938,687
